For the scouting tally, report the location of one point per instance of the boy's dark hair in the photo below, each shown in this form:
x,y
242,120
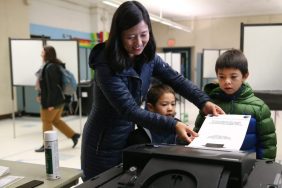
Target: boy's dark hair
x,y
50,54
232,59
156,91
129,14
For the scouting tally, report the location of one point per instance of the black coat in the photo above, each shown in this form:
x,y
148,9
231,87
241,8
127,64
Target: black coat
x,y
50,86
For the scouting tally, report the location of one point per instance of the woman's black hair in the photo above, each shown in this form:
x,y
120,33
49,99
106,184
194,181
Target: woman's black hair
x,y
129,14
50,54
232,59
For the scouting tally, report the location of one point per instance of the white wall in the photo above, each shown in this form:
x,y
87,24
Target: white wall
x,y
213,33
101,18
58,14
13,23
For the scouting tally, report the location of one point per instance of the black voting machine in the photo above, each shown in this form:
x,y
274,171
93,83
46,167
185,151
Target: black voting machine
x,y
164,166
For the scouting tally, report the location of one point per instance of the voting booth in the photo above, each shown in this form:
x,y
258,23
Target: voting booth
x,y
262,45
212,160
26,55
172,166
26,60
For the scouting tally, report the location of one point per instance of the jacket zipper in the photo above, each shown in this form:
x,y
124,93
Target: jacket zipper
x,y
100,140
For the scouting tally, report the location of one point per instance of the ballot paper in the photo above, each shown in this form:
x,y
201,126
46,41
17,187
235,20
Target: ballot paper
x,y
8,180
4,170
223,132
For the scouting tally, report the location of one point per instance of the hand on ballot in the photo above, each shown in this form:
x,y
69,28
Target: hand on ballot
x,y
211,108
184,132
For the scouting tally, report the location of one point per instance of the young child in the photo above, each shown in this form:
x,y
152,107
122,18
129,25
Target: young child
x,y
235,96
160,99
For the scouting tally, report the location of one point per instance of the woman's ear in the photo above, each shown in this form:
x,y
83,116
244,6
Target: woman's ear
x,y
150,107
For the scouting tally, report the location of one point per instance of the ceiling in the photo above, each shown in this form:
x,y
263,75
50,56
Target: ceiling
x,y
198,9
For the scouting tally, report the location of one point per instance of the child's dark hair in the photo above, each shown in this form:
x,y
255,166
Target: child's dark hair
x,y
232,59
156,91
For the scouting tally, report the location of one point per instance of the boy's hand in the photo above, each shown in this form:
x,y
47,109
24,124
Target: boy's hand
x,y
184,132
211,108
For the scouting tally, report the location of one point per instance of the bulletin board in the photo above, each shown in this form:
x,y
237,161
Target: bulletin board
x,y
67,51
262,46
209,59
25,58
176,62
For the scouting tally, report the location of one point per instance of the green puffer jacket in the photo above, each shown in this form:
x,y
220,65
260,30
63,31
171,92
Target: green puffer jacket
x,y
245,102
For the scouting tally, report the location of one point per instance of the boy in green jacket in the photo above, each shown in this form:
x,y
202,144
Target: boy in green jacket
x,y
235,96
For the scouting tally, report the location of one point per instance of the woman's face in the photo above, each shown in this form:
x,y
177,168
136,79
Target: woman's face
x,y
135,39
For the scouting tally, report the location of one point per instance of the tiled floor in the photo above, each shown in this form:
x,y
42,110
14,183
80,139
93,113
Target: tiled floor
x,y
29,137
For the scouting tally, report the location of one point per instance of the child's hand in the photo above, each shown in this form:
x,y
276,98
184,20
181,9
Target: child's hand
x,y
38,99
184,132
211,108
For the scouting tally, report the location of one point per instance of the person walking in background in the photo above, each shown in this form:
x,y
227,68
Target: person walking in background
x,y
235,96
160,99
50,96
124,66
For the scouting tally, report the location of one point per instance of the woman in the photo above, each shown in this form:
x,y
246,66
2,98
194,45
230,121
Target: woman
x,y
51,97
124,66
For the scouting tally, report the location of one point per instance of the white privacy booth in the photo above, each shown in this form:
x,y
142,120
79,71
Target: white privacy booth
x,y
25,61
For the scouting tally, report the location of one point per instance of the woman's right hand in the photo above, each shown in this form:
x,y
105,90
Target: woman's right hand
x,y
184,132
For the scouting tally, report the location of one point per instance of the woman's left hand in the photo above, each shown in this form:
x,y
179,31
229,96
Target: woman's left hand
x,y
211,108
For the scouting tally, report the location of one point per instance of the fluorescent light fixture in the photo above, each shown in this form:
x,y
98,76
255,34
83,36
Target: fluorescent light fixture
x,y
165,22
155,18
170,23
111,3
115,3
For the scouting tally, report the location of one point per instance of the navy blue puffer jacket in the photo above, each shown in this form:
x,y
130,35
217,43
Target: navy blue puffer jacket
x,y
116,108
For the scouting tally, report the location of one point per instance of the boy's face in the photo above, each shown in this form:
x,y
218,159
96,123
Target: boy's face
x,y
230,79
164,106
